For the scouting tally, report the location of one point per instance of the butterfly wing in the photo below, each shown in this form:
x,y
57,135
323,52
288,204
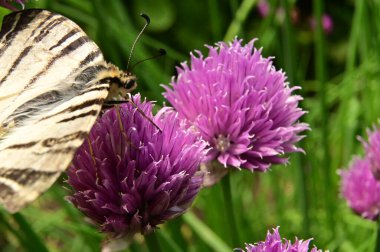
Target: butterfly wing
x,y
50,97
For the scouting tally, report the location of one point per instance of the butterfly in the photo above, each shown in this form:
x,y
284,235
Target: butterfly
x,y
53,82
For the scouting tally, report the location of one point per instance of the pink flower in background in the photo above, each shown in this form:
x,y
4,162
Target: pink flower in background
x,y
274,243
373,151
6,4
360,188
263,8
128,177
327,23
241,105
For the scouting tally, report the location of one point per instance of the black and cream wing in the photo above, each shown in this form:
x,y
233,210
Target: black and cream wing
x,y
50,97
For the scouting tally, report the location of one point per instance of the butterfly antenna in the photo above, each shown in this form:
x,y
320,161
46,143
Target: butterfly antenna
x,y
147,21
161,52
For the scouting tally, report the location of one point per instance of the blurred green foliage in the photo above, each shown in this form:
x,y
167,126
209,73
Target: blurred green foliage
x,y
340,78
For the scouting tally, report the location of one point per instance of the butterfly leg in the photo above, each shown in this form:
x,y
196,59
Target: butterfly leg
x,y
111,103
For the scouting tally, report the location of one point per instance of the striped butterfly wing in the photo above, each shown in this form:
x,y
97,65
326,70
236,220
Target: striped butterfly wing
x,y
50,97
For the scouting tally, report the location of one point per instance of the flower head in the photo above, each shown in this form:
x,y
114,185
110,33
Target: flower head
x,y
6,4
241,105
128,177
373,151
274,243
360,188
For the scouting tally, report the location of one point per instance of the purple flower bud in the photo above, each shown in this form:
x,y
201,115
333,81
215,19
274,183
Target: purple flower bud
x,y
241,105
128,177
274,243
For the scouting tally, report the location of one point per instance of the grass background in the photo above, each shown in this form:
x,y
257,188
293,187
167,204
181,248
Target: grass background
x,y
340,78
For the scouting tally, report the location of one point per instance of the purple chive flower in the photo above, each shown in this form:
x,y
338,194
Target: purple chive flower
x,y
128,177
241,105
6,4
373,151
360,188
274,243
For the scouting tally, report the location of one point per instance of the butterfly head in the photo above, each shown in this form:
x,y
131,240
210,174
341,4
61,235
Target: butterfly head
x,y
121,83
127,81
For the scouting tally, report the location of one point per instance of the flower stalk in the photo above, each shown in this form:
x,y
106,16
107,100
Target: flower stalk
x,y
229,209
152,242
377,245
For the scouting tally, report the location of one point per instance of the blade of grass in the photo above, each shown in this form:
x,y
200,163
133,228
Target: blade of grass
x,y
174,232
240,17
205,233
320,69
289,65
170,241
6,226
32,240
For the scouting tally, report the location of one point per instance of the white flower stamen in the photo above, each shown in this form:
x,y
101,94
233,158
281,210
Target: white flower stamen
x,y
222,143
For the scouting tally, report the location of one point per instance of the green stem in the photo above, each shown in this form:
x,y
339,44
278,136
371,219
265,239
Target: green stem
x,y
354,35
302,180
288,49
320,65
377,246
35,243
240,16
290,58
5,226
229,211
152,242
205,233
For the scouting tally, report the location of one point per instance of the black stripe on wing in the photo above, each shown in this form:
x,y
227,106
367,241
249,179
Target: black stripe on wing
x,y
85,114
96,88
64,38
6,191
65,51
25,176
6,34
83,105
23,145
89,58
45,31
42,23
51,142
22,20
